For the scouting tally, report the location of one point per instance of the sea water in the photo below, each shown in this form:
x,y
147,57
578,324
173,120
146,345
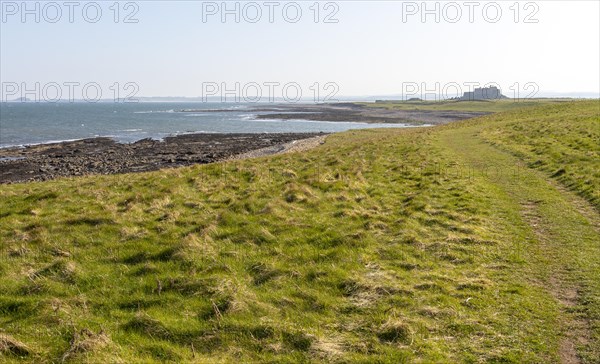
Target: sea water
x,y
25,123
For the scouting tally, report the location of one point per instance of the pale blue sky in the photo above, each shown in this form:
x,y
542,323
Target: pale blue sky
x,y
370,51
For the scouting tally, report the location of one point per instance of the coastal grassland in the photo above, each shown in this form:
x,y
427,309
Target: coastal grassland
x,y
563,141
459,105
415,245
566,226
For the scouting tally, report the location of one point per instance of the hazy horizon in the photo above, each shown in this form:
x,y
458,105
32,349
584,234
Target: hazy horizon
x,y
313,50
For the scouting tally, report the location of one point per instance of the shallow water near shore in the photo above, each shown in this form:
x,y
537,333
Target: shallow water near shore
x,y
37,123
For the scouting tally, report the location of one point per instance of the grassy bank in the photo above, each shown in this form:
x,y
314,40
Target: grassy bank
x,y
449,244
459,105
563,141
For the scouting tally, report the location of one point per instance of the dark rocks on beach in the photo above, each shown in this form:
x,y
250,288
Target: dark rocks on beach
x,y
105,156
353,112
362,114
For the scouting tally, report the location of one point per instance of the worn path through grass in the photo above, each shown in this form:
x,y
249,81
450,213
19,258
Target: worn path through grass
x,y
561,228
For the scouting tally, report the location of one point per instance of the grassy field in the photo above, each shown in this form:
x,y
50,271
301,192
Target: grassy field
x,y
458,105
473,242
563,141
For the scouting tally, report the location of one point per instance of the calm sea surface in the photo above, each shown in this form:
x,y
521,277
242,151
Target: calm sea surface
x,y
33,123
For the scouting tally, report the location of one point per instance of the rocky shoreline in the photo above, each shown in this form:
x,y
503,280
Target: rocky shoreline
x,y
354,112
106,156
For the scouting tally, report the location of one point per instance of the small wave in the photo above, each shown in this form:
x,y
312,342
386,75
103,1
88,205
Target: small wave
x,y
24,145
154,112
225,109
11,159
188,132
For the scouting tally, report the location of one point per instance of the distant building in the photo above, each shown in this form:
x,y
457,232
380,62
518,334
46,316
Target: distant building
x,y
485,93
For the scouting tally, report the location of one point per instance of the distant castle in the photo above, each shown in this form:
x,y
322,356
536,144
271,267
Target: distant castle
x,y
485,93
